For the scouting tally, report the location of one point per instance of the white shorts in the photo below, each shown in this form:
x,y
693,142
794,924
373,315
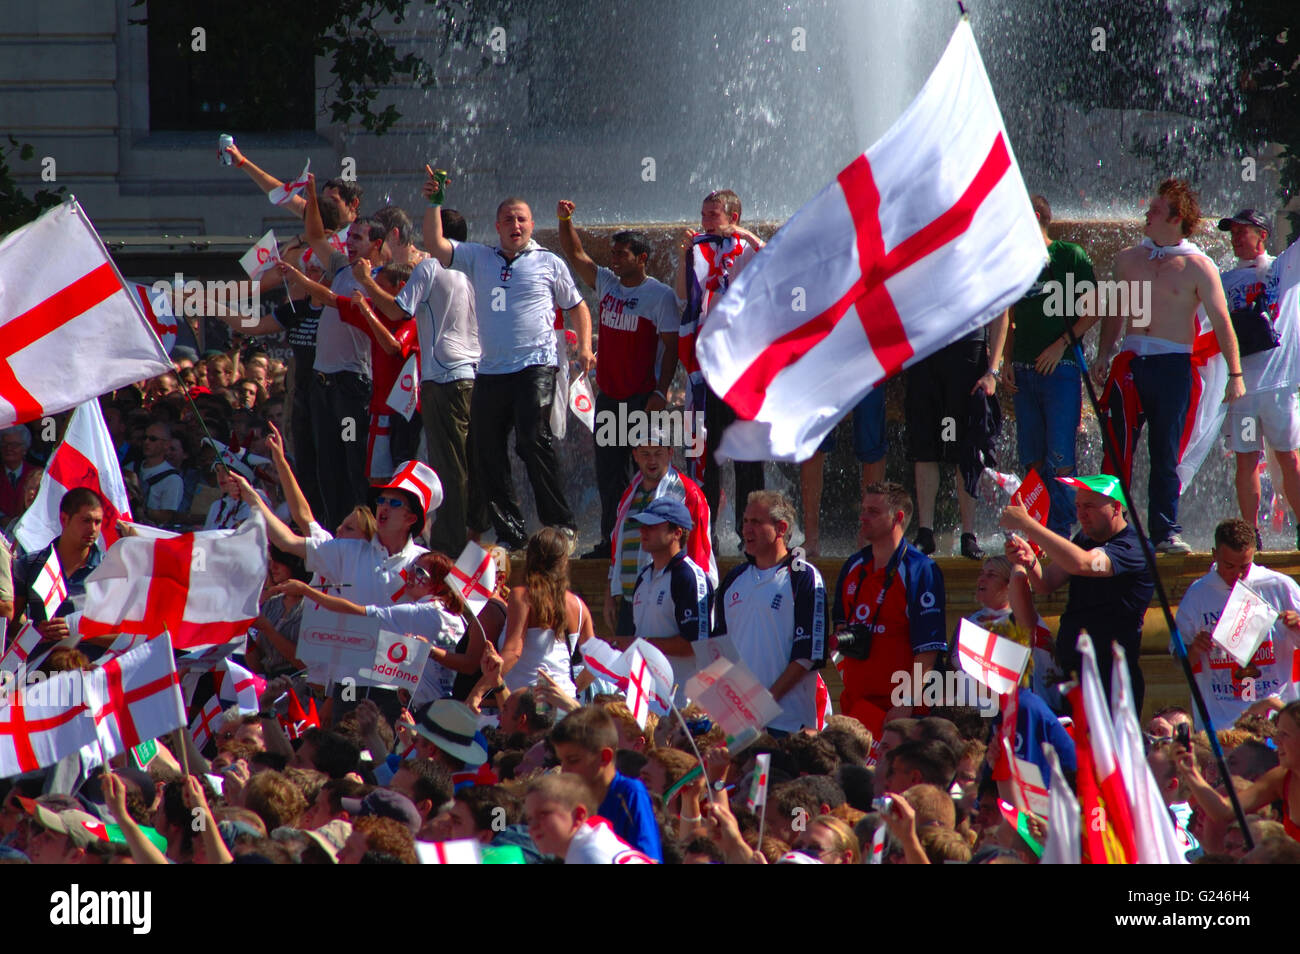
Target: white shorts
x,y
1274,415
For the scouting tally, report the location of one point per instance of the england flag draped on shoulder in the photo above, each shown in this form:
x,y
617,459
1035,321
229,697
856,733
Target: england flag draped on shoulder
x,y
75,334
920,240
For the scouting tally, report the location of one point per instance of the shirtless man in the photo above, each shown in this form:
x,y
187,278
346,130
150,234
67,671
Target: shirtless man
x,y
1173,277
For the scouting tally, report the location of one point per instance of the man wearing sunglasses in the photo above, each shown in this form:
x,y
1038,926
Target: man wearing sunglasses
x,y
376,570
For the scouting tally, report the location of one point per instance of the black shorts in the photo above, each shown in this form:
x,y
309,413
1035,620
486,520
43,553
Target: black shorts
x,y
938,399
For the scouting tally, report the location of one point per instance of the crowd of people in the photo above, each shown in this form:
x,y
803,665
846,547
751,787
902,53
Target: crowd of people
x,y
516,741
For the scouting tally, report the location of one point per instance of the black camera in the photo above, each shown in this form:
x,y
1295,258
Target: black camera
x,y
855,643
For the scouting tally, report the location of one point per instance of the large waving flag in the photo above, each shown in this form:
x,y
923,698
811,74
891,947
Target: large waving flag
x,y
85,458
202,587
1108,836
41,724
920,240
70,328
1154,833
135,697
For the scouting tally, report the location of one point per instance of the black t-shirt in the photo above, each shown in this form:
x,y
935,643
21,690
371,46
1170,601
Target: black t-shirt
x,y
1110,608
300,323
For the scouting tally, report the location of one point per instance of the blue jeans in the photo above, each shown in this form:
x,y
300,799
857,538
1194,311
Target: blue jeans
x,y
1047,424
1164,386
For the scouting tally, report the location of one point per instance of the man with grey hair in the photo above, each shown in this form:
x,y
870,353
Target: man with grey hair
x,y
774,609
15,442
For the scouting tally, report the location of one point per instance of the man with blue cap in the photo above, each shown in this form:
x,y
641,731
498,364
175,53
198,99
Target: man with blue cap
x,y
672,603
1110,582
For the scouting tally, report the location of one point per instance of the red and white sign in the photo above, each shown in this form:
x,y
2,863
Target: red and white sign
x,y
582,402
1245,621
993,660
283,193
922,239
731,695
135,697
49,585
335,646
158,309
298,720
398,662
70,329
84,458
474,576
405,396
758,788
203,587
262,257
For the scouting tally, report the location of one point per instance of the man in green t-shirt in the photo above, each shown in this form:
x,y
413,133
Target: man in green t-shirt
x,y
1044,370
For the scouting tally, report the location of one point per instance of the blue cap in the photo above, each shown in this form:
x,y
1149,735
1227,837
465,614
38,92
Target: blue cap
x,y
666,510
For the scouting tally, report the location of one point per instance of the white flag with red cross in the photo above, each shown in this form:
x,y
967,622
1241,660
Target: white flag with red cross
x,y
640,686
202,588
462,851
283,193
758,788
158,309
919,241
28,638
204,727
474,576
84,458
241,687
70,328
993,660
338,242
135,697
41,723
49,585
261,258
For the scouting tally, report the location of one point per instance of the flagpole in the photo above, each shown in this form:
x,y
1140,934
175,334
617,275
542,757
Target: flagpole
x,y
704,769
1180,649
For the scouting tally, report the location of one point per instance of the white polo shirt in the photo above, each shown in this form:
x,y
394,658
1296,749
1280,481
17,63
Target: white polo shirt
x,y
442,302
372,574
674,601
515,302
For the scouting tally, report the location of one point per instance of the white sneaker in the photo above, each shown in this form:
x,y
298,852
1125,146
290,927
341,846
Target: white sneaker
x,y
1173,544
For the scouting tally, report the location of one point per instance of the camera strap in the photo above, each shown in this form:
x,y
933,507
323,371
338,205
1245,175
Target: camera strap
x,y
891,570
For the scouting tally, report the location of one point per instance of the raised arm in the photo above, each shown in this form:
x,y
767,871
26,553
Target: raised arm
x,y
437,244
299,509
578,258
315,228
335,604
279,533
265,181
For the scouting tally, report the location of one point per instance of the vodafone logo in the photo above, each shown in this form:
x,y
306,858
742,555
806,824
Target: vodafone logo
x,y
263,255
408,383
582,403
397,653
861,612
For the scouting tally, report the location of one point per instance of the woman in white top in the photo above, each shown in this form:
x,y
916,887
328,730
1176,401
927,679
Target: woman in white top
x,y
545,622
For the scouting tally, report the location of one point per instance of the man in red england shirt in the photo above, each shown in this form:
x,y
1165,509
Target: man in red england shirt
x,y
888,612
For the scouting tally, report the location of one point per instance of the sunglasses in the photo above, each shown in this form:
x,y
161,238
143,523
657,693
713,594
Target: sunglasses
x,y
420,575
390,501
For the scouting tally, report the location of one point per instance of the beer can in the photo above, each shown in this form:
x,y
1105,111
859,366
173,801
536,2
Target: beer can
x,y
223,143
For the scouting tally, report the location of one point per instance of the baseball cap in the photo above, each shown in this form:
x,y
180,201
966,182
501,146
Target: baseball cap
x,y
1104,484
666,510
385,803
80,827
1245,217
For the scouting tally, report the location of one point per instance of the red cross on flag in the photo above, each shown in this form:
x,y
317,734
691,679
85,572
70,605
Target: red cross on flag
x,y
474,576
758,787
462,851
203,588
994,660
639,687
28,638
135,697
41,724
262,257
204,727
922,239
70,329
242,687
283,193
84,458
158,309
49,585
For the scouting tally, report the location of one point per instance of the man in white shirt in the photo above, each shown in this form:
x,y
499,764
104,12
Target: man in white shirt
x,y
774,609
441,301
160,482
1229,689
1262,302
517,287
